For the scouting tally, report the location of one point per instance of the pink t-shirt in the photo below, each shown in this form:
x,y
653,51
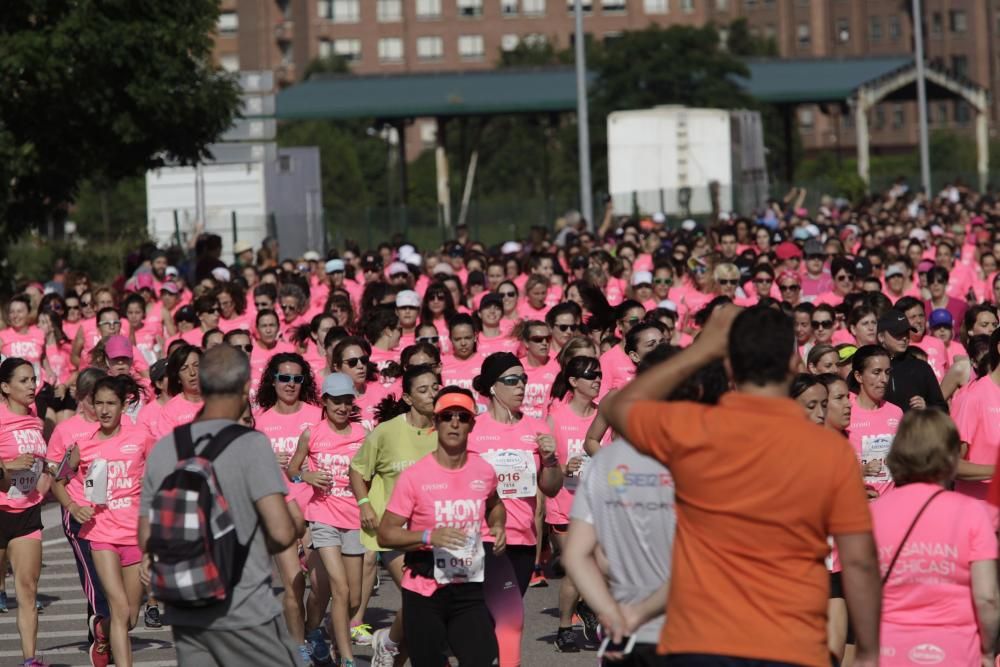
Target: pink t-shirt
x,y
539,387
977,417
871,434
510,449
146,342
502,343
368,401
283,430
178,410
569,431
460,372
59,360
382,358
117,521
316,358
259,357
617,369
937,355
430,496
332,453
67,434
29,345
928,613
149,418
21,434
238,322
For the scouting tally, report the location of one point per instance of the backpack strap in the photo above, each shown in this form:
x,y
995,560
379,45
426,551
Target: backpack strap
x,y
222,439
183,442
906,536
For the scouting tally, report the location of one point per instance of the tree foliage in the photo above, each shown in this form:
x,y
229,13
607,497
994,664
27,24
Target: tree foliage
x,y
102,89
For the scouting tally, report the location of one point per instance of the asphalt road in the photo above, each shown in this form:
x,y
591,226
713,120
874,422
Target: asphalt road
x,y
62,631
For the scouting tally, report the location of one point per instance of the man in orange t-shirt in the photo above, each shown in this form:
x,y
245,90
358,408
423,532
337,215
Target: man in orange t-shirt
x,y
759,488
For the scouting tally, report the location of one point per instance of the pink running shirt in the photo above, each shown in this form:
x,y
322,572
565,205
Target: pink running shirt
x,y
332,453
21,434
178,410
284,430
977,417
871,433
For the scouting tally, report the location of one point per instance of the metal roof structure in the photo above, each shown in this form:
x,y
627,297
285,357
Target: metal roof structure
x,y
815,80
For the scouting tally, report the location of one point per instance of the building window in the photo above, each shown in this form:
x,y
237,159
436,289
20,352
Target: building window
x,y
470,8
229,22
533,7
470,47
894,28
962,112
843,31
609,37
942,113
722,5
509,42
802,33
535,39
875,29
960,66
430,48
957,21
345,11
389,11
390,50
687,6
230,62
656,6
428,9
806,120
585,5
879,118
613,6
898,116
348,49
508,7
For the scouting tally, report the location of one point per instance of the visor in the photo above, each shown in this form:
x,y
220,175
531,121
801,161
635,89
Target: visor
x,y
454,400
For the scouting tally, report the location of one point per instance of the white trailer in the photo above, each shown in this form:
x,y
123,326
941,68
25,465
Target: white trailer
x,y
683,161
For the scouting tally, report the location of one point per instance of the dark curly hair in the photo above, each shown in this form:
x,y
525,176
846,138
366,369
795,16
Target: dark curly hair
x,y
267,395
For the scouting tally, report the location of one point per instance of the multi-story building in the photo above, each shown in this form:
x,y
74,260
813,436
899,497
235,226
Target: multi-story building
x,y
402,36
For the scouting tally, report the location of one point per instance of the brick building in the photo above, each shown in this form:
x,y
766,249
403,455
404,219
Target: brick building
x,y
399,36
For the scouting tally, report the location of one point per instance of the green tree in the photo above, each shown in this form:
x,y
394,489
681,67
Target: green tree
x,y
102,89
741,42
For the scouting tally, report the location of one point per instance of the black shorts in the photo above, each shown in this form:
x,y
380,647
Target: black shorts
x,y
558,528
18,524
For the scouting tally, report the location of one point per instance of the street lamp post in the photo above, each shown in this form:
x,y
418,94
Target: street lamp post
x,y
582,122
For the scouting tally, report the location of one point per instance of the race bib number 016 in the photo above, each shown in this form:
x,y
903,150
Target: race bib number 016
x,y
462,565
517,475
23,482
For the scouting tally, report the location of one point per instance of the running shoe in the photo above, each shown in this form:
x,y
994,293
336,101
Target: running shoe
x,y
566,641
318,649
589,619
362,634
305,656
100,653
151,617
3,602
33,662
382,655
538,579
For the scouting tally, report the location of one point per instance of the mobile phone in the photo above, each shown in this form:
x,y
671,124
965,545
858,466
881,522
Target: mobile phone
x,y
624,647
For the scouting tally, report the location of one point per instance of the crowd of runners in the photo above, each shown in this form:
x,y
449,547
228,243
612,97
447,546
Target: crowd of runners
x,y
466,418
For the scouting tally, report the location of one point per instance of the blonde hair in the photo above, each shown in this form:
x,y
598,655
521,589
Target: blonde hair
x,y
726,271
925,449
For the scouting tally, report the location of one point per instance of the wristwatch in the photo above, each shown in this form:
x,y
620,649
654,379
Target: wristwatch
x,y
297,479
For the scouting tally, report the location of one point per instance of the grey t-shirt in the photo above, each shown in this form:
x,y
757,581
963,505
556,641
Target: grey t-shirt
x,y
628,498
246,471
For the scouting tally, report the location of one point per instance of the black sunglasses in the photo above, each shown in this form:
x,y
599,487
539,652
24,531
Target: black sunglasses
x,y
790,288
463,416
248,348
822,324
538,339
591,375
663,281
354,361
728,281
513,380
433,340
508,295
287,377
568,327
262,305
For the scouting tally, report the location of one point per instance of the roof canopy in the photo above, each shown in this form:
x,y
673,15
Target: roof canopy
x,y
501,91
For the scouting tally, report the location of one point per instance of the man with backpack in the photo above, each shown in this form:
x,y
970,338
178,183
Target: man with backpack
x,y
212,511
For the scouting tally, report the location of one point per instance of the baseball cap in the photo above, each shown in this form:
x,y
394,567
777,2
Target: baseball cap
x,y
170,287
338,384
241,247
895,324
491,299
862,267
185,314
845,351
158,370
454,400
787,250
407,299
659,218
667,304
414,259
689,225
310,256
789,275
894,270
221,274
405,251
925,265
117,347
334,266
918,234
510,248
397,268
813,247
443,268
172,271
642,278
940,317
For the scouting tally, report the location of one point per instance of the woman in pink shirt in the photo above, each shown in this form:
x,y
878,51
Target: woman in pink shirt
x,y
352,356
331,509
615,363
311,343
382,331
57,348
492,337
184,388
862,322
441,533
459,368
541,369
509,293
873,419
977,416
571,411
938,554
438,307
109,518
265,346
22,449
21,338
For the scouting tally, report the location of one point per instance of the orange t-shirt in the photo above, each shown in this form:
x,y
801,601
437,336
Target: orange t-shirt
x,y
759,489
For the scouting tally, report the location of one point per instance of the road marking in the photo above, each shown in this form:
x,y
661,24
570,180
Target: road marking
x,y
75,634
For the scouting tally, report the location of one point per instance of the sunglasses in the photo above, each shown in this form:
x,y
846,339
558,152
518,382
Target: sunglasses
x,y
508,295
86,304
248,348
538,339
287,377
341,400
938,281
354,361
663,281
789,288
213,310
729,281
450,415
844,278
822,324
816,256
116,323
433,340
591,375
568,327
68,307
435,297
632,320
288,307
262,305
513,380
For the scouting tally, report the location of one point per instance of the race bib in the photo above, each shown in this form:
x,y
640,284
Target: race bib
x,y
876,448
575,449
23,482
462,565
516,472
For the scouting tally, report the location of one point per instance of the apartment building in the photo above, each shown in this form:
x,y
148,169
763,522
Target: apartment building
x,y
401,36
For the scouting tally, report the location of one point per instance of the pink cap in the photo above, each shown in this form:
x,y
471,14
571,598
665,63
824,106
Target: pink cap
x,y
171,287
144,281
117,347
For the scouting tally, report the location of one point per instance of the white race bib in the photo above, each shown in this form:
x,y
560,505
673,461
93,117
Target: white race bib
x,y
575,449
23,482
517,475
462,565
876,448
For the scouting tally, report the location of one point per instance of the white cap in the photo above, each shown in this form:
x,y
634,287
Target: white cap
x,y
937,230
689,225
221,274
813,230
398,267
659,218
510,248
407,299
894,270
172,271
310,256
405,251
724,216
334,265
414,259
668,305
642,278
919,234
443,268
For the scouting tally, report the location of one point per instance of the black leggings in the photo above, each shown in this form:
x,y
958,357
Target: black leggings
x,y
522,559
454,617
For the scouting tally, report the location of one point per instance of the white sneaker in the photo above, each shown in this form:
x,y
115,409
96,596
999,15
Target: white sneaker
x,y
382,655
